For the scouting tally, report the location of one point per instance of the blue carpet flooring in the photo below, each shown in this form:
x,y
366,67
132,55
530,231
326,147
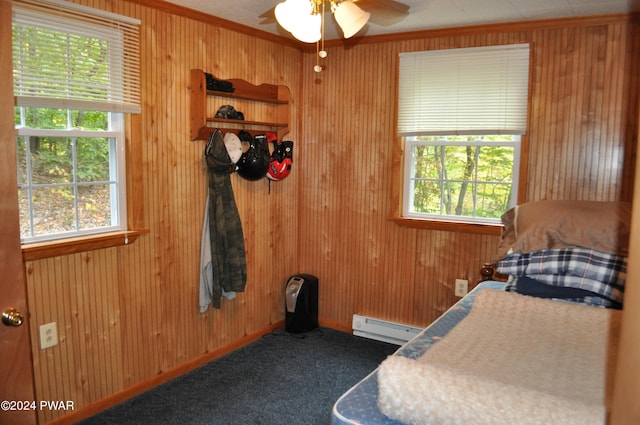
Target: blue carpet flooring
x,y
281,378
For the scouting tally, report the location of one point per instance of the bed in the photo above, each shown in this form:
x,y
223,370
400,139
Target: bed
x,y
538,346
359,404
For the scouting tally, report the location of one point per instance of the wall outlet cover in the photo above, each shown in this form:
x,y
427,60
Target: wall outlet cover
x,y
462,287
48,335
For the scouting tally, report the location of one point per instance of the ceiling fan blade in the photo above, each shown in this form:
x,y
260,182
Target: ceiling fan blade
x,y
268,16
386,5
384,12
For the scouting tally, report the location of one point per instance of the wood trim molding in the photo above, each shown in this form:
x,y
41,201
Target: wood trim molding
x,y
450,226
519,26
537,24
36,251
332,324
175,9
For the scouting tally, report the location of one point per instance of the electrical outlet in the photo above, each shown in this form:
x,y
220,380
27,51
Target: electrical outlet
x,y
48,335
462,287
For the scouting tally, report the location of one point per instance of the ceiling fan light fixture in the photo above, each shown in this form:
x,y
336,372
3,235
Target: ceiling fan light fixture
x,y
350,18
304,19
308,28
288,13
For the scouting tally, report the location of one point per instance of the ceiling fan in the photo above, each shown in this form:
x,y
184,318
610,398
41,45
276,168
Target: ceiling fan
x,y
383,12
305,19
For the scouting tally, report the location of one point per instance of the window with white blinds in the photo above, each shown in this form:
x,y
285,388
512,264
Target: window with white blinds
x,y
478,90
76,72
462,115
71,56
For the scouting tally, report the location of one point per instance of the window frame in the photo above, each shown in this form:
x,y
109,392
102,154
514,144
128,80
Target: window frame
x,y
407,196
118,174
399,183
130,170
135,207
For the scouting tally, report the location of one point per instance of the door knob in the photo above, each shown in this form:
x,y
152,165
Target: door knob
x,y
12,317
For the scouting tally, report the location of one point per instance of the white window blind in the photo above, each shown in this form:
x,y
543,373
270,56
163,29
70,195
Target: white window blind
x,y
479,90
71,56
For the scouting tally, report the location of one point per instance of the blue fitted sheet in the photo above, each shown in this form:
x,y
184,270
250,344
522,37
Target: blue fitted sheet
x,y
359,404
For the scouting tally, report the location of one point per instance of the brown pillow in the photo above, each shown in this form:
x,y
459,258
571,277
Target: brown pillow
x,y
603,226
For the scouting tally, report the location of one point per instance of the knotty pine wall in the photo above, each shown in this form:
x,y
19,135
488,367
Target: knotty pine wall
x,y
582,143
128,314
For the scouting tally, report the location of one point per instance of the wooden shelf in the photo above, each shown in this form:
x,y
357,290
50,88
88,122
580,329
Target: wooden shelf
x,y
246,122
250,92
270,103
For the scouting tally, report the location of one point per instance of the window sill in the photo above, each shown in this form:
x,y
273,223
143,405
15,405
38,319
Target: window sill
x,y
451,226
36,251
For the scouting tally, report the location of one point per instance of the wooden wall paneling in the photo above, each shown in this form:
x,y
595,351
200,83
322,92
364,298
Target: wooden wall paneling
x,y
612,122
573,151
379,127
435,285
563,83
544,122
34,332
620,127
140,311
129,314
191,196
79,293
629,108
196,185
595,113
625,57
44,361
535,132
64,271
166,219
609,166
401,272
131,269
579,65
107,303
573,137
560,93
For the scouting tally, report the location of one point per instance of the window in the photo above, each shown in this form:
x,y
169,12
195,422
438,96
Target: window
x,y
69,178
461,119
76,73
462,176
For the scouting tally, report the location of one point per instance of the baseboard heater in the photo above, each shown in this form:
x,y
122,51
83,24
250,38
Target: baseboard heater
x,y
382,330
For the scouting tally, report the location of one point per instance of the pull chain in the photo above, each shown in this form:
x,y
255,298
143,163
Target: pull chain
x,y
320,53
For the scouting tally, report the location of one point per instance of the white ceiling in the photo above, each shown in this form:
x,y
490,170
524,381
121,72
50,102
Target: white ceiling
x,y
423,14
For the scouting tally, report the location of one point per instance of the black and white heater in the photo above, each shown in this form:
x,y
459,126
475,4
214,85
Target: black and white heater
x,y
301,302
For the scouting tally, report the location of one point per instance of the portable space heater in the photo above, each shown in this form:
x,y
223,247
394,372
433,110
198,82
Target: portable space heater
x,y
301,299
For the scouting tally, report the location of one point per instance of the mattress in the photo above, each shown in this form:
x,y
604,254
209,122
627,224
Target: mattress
x,y
359,404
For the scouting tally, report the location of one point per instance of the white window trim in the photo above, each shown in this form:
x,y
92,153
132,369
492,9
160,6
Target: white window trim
x,y
408,195
117,178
